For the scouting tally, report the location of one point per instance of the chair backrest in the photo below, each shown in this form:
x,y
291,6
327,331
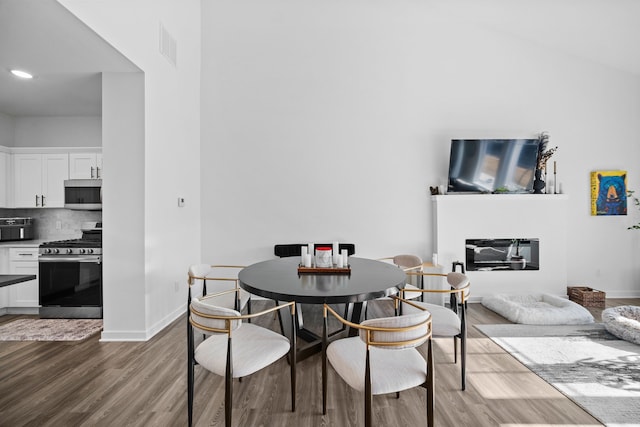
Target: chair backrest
x,y
294,249
413,330
459,281
195,284
408,261
200,312
219,278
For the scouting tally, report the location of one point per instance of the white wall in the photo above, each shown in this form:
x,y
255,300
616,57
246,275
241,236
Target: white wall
x,y
58,131
330,120
167,238
7,130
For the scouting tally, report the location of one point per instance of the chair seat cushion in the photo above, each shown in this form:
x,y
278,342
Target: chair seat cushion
x,y
538,309
253,348
445,322
391,370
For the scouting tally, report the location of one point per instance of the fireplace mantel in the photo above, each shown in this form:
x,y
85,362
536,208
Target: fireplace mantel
x,y
477,216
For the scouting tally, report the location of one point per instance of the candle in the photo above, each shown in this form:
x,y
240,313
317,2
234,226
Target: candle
x,y
336,252
310,247
345,257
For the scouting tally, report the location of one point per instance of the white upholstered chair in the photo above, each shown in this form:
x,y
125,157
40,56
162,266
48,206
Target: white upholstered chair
x,y
408,263
206,279
233,349
382,359
448,322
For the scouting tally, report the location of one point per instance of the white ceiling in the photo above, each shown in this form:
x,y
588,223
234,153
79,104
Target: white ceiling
x,y
67,58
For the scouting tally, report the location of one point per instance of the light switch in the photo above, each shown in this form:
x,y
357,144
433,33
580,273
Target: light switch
x,y
181,202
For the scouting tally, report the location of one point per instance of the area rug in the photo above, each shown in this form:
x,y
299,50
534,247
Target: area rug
x,y
584,362
50,329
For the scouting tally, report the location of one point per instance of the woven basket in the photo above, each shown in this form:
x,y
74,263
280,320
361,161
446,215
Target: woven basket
x,y
586,297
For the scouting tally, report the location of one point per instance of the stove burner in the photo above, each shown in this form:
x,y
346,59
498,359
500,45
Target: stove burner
x,y
89,244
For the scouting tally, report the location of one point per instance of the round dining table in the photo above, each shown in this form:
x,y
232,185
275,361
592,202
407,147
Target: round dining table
x,y
279,280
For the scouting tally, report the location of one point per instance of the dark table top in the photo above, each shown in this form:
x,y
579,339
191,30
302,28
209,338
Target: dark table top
x,y
279,280
12,279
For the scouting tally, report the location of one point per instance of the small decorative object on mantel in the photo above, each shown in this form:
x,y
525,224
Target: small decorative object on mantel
x,y
543,156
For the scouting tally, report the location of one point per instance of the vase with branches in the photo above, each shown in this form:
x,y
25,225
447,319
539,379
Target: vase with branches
x,y
544,155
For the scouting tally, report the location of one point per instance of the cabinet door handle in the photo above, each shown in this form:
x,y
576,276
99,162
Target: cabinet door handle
x,y
97,172
37,200
42,200
92,171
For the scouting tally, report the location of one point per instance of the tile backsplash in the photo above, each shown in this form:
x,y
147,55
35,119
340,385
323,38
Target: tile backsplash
x,y
45,221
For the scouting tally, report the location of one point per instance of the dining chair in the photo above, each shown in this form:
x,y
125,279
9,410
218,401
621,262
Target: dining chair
x,y
408,263
382,359
233,349
206,278
448,321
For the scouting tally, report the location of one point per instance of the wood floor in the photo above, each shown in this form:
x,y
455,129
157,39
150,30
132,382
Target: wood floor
x,y
144,384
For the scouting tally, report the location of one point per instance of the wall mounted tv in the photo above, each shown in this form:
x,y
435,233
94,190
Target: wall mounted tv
x,y
487,165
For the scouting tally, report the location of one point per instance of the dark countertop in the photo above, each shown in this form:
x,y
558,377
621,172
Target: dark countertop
x,y
12,279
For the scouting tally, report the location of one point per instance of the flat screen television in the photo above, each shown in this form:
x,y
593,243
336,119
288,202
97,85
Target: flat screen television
x,y
487,165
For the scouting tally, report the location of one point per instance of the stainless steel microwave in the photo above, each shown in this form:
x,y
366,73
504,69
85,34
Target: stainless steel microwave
x,y
83,194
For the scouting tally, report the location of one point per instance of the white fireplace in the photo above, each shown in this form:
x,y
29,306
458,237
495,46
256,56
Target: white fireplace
x,y
458,218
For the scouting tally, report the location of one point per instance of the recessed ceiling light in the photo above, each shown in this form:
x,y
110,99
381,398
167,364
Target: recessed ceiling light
x,y
21,74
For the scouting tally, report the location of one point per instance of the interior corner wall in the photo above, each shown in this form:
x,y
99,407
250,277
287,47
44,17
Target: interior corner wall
x,y
168,163
329,121
123,153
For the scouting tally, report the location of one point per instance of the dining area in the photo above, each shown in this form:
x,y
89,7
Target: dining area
x,y
323,338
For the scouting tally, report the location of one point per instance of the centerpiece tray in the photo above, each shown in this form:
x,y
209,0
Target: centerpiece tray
x,y
323,270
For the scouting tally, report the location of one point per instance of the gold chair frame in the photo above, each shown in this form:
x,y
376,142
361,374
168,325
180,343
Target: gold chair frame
x,y
458,303
370,341
228,329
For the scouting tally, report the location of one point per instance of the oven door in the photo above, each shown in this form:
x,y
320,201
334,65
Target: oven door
x,y
70,282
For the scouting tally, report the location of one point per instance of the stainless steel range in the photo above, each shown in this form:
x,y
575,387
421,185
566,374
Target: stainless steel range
x,y
70,276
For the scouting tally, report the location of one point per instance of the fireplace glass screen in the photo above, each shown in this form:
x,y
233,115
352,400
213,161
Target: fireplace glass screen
x,y
502,254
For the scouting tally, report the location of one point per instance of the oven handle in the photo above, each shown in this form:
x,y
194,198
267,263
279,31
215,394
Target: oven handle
x,y
92,260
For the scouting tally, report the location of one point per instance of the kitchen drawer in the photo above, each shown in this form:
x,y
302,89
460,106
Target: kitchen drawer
x,y
23,254
23,296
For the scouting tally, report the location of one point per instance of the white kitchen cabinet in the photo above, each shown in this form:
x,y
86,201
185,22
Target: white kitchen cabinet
x,y
4,269
85,165
4,179
24,260
39,180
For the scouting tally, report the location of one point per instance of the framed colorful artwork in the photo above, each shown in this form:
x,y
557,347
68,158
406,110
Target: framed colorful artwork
x,y
609,192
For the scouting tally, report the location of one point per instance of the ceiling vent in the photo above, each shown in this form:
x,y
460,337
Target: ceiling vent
x,y
168,46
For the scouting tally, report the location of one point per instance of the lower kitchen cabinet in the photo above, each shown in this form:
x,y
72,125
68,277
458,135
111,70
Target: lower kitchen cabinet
x,y
23,260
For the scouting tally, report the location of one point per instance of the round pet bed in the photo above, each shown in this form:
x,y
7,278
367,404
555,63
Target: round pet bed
x,y
538,309
623,322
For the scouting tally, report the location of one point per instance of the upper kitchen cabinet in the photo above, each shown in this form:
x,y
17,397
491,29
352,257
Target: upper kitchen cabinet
x,y
39,180
4,179
85,165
